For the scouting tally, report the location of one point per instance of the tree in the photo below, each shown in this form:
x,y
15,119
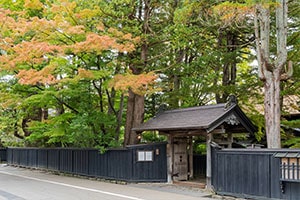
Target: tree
x,y
272,57
211,54
142,16
64,54
272,64
135,103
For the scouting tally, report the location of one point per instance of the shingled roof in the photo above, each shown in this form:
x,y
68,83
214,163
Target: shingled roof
x,y
198,118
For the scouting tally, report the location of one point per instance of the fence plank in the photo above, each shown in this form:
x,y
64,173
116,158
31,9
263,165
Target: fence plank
x,y
3,154
66,160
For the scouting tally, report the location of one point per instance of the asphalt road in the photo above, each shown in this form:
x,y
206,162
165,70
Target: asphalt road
x,y
26,184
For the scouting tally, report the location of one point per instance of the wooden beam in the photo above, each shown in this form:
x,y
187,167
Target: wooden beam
x,y
197,132
220,130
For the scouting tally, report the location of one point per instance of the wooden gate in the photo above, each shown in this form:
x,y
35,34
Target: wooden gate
x,y
180,167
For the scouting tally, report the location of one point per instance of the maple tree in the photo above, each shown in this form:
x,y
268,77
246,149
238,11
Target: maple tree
x,y
67,55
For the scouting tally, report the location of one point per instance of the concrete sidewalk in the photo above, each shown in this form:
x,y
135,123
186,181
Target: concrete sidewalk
x,y
176,189
29,184
145,191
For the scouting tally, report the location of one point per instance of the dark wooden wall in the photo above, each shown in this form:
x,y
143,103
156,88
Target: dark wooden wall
x,y
3,154
199,166
118,164
254,174
247,173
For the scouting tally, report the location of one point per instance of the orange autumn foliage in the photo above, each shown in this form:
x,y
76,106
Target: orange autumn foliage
x,y
34,77
33,4
32,53
140,84
94,43
232,12
86,74
31,43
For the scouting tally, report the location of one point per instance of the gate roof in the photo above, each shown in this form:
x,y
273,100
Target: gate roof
x,y
205,118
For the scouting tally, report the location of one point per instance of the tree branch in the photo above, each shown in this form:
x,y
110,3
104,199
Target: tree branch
x,y
261,74
289,73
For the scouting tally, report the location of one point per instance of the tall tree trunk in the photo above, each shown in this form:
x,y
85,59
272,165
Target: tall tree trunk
x,y
229,67
272,72
176,102
136,103
134,117
119,118
272,109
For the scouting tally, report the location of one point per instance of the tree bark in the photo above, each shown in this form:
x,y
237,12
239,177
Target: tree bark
x,y
271,72
135,103
134,117
272,109
229,40
119,118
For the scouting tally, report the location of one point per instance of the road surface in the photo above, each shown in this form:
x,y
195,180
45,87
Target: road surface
x,y
26,184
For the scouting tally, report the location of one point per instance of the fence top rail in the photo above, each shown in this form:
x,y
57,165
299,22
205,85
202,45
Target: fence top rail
x,y
93,149
146,145
265,151
67,148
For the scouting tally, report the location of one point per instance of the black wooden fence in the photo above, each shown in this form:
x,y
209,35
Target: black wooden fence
x,y
118,164
248,173
3,154
256,173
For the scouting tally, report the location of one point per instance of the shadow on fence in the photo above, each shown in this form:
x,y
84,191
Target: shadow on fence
x,y
117,164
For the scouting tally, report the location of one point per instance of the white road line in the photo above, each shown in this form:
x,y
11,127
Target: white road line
x,y
74,186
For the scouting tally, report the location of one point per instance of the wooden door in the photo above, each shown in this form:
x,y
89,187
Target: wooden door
x,y
180,163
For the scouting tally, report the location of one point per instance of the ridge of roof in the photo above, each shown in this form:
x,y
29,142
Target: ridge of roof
x,y
222,105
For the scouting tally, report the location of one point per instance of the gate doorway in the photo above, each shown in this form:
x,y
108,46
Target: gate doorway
x,y
187,165
180,125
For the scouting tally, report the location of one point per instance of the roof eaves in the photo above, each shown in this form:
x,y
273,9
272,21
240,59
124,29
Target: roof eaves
x,y
220,119
251,128
243,119
170,128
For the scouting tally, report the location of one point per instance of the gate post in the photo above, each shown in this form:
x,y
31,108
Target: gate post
x,y
208,161
170,159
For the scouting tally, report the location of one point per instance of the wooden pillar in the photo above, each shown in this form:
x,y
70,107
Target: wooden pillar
x,y
230,140
191,168
170,158
208,161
